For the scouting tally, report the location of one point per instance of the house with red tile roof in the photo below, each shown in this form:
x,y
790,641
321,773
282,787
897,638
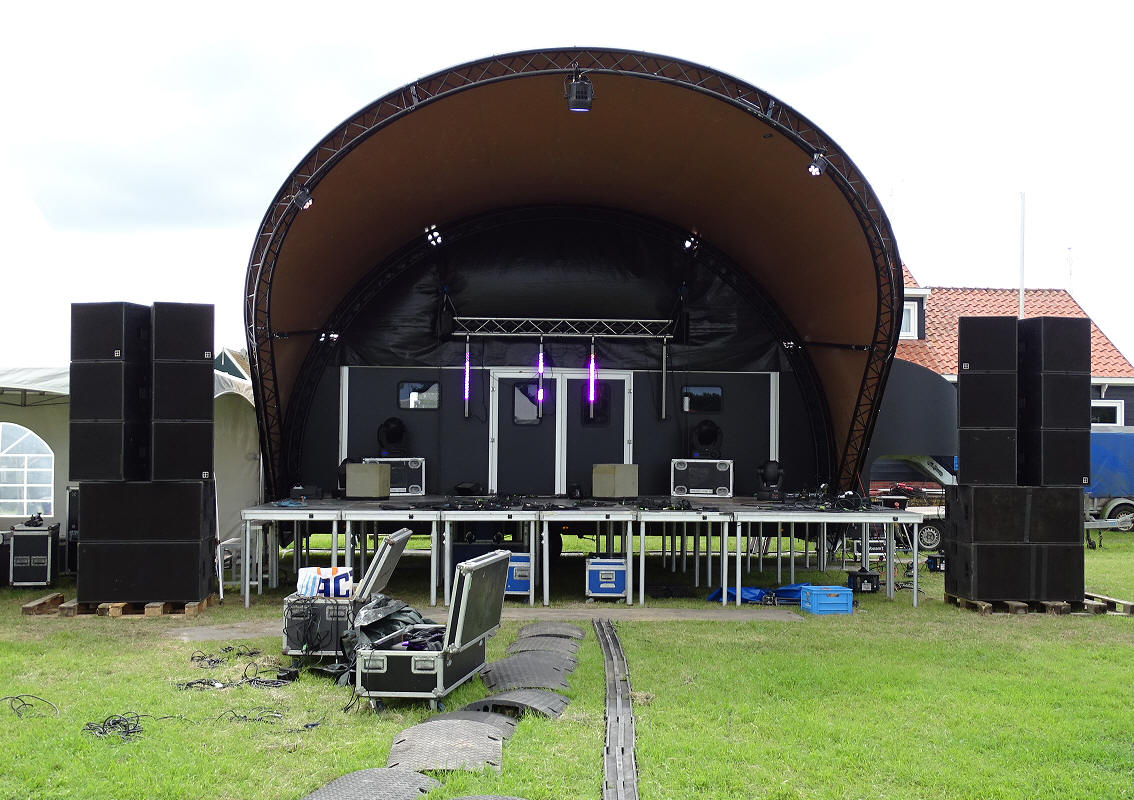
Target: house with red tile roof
x,y
929,337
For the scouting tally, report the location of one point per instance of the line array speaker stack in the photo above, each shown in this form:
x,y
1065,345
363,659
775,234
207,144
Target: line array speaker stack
x,y
1015,520
142,451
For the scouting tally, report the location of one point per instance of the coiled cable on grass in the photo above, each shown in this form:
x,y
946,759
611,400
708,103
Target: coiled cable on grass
x,y
21,704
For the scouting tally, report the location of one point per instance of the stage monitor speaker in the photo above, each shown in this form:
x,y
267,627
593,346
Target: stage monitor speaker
x,y
145,572
148,511
182,451
110,332
1055,400
987,400
183,332
1015,514
987,456
1055,458
109,451
183,390
110,390
986,344
1055,344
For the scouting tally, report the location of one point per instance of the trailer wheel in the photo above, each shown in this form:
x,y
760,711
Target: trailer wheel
x,y
929,536
1120,510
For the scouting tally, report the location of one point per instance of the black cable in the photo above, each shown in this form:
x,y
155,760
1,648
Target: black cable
x,y
19,704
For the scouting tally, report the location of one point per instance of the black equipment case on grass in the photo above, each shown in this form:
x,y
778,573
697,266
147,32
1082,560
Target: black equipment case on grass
x,y
391,669
314,626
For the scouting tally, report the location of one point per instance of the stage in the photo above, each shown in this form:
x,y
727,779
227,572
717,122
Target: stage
x,y
730,520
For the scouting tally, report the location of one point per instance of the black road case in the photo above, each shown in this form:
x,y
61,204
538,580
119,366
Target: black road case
x,y
31,560
389,668
314,626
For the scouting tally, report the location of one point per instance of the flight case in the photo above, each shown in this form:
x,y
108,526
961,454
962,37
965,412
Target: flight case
x,y
389,668
314,626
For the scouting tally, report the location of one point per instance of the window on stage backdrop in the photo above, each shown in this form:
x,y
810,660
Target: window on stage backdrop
x,y
419,394
27,473
702,399
1107,412
601,417
525,403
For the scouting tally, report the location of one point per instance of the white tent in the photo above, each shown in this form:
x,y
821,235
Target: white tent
x,y
38,399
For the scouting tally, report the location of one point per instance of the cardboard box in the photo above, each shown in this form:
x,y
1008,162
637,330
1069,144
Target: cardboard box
x,y
614,480
367,481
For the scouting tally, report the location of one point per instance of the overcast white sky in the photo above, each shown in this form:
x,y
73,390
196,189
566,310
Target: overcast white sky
x,y
145,140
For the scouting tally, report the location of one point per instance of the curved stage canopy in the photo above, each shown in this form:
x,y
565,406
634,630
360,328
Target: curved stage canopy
x,y
678,144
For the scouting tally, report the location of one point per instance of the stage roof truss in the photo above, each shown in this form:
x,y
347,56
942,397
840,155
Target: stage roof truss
x,y
553,328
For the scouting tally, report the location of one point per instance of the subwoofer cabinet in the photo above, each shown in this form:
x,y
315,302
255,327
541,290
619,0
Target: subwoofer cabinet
x,y
145,572
393,668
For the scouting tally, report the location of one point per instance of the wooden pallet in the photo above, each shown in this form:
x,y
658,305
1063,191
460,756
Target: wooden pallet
x,y
43,605
73,608
1088,605
1113,606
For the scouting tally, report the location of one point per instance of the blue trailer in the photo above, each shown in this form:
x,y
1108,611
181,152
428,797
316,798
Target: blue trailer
x,y
1110,494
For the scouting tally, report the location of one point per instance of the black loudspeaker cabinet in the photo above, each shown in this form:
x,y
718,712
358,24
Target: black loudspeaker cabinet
x,y
986,344
110,390
1015,514
987,400
109,451
183,332
182,451
1014,571
1055,344
1055,458
1055,400
109,332
145,572
183,390
145,511
987,456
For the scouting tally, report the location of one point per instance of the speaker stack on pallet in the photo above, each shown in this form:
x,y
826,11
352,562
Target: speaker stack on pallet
x,y
142,451
1015,518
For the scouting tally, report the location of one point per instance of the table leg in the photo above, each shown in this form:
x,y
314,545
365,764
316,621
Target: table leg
x,y
433,545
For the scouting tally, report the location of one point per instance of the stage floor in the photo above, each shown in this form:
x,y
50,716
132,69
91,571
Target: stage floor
x,y
711,517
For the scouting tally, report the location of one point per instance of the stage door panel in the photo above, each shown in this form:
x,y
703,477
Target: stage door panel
x,y
525,449
597,438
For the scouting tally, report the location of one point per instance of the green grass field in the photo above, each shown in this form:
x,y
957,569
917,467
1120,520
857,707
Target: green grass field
x,y
890,702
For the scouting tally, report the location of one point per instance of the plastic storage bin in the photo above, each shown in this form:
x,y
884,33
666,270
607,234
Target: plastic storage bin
x,y
826,599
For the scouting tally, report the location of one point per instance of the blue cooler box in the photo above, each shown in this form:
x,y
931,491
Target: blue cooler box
x,y
826,599
606,577
519,574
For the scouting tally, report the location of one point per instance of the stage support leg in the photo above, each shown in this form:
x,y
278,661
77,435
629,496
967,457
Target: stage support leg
x,y
642,562
448,545
724,562
760,547
334,544
891,576
915,570
433,551
684,549
738,524
791,553
628,554
823,549
245,557
546,560
533,537
349,550
696,555
664,545
779,554
865,546
708,553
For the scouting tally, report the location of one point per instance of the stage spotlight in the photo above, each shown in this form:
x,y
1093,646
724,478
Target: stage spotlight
x,y
302,198
579,92
432,235
818,165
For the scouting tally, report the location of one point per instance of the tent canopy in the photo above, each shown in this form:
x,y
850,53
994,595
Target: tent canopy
x,y
666,140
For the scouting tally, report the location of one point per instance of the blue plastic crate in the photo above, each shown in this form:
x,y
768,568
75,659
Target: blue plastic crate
x,y
826,599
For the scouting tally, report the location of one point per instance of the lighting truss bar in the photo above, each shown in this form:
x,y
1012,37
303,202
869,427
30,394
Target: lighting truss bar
x,y
564,328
